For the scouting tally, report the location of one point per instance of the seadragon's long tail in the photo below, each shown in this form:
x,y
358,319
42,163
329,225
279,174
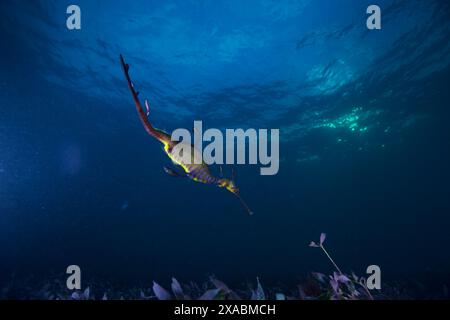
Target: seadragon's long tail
x,y
156,133
244,204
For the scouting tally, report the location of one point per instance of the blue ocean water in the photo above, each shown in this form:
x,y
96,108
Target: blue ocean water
x,y
364,139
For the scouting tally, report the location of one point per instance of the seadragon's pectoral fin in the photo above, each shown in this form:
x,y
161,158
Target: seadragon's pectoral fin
x,y
173,173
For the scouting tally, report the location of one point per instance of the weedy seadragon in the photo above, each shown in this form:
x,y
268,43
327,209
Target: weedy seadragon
x,y
194,170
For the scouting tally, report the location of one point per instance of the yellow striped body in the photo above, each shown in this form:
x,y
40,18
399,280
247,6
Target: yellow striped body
x,y
192,164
